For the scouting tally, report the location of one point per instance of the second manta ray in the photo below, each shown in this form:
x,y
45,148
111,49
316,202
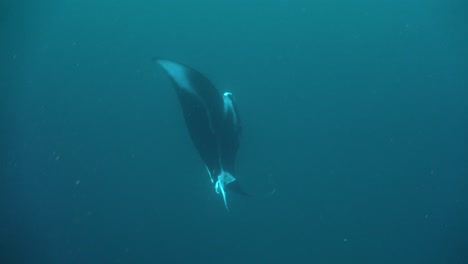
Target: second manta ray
x,y
213,122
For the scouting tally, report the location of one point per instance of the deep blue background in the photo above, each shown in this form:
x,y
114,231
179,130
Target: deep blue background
x,y
357,111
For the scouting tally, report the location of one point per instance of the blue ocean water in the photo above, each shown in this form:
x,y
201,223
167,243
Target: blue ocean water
x,y
356,111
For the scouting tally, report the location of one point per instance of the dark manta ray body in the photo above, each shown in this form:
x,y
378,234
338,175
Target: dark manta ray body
x,y
213,123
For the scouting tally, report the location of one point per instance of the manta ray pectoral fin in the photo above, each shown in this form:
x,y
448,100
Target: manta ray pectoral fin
x,y
220,186
236,187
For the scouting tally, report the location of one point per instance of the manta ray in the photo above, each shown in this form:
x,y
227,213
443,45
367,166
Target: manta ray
x,y
213,122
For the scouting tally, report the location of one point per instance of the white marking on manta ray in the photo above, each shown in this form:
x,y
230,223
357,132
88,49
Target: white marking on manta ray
x,y
228,107
227,102
223,179
209,174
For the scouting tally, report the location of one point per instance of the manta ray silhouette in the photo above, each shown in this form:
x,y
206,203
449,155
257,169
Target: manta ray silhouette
x,y
213,122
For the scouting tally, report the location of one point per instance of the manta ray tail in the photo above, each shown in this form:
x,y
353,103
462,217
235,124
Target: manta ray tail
x,y
235,187
227,182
